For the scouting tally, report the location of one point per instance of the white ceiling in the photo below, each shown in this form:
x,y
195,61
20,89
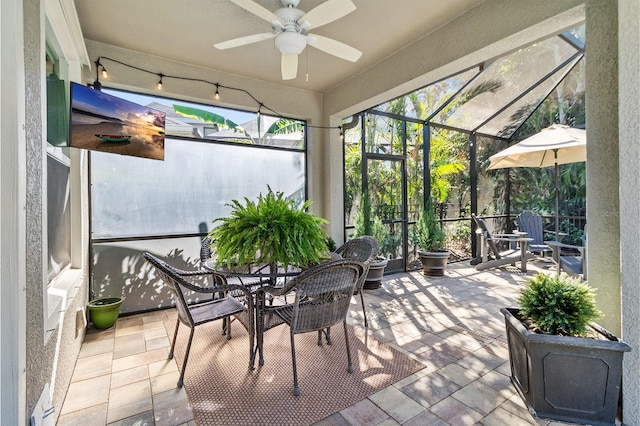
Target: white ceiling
x,y
185,31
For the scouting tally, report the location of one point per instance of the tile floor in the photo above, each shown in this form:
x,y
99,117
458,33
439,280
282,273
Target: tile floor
x,y
452,324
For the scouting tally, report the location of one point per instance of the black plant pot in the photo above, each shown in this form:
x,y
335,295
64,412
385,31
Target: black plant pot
x,y
375,274
434,262
571,379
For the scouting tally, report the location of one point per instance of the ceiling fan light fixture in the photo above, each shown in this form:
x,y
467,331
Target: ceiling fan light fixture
x,y
291,43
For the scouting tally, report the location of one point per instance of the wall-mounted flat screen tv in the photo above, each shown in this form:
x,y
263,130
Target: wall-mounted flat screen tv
x,y
104,122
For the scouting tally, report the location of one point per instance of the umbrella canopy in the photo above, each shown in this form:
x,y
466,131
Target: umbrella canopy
x,y
555,145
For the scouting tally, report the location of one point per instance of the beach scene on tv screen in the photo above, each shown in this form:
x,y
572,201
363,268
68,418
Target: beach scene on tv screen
x,y
104,122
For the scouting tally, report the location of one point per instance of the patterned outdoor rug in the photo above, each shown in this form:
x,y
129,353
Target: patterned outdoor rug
x,y
223,391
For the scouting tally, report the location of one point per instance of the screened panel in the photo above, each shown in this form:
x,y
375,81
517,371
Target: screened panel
x,y
383,135
120,270
507,122
199,121
140,197
415,170
424,102
385,183
352,173
502,81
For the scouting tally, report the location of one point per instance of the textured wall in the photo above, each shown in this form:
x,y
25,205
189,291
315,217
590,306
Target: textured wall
x,y
63,347
603,212
629,128
39,358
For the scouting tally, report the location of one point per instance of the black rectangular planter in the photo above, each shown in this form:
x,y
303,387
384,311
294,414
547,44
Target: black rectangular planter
x,y
571,379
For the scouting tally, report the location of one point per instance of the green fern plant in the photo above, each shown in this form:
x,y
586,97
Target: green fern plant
x,y
558,304
271,230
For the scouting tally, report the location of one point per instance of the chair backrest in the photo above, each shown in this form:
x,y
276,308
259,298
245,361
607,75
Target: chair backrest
x,y
323,294
364,249
531,223
172,279
205,250
482,225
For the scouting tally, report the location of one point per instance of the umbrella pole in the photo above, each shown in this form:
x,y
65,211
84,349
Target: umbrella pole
x,y
557,193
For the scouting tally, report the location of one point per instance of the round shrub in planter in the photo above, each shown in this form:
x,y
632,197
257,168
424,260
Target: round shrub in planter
x,y
563,366
104,311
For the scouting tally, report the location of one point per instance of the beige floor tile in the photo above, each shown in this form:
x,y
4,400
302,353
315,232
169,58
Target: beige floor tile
x,y
94,334
139,359
129,400
172,407
132,375
455,412
501,417
91,416
426,418
129,344
165,366
364,412
86,393
430,389
92,366
457,374
480,397
160,342
499,382
396,404
142,419
155,333
125,331
164,382
96,347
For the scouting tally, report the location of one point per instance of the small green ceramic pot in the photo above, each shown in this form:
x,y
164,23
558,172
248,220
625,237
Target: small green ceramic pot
x,y
104,311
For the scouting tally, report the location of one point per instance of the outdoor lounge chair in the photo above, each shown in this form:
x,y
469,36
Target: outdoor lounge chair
x,y
531,223
573,264
363,249
497,258
322,298
201,312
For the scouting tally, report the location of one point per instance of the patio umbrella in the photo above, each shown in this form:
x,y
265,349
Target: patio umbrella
x,y
555,145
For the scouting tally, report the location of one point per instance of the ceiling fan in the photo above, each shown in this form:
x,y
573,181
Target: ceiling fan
x,y
290,29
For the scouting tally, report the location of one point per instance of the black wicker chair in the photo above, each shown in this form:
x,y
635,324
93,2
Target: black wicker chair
x,y
363,249
195,314
322,297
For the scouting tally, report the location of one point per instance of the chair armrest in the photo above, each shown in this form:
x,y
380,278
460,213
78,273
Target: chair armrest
x,y
559,245
509,237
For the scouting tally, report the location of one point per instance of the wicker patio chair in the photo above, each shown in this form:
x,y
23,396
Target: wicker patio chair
x,y
363,249
201,312
322,297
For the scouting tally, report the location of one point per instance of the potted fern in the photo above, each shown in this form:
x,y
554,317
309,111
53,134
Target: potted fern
x,y
366,224
271,230
563,365
429,237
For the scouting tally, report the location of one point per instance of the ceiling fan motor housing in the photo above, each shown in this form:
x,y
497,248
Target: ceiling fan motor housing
x,y
291,40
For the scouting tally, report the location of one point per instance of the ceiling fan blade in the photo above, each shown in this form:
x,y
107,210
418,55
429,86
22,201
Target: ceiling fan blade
x,y
257,10
327,12
334,47
241,41
289,66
